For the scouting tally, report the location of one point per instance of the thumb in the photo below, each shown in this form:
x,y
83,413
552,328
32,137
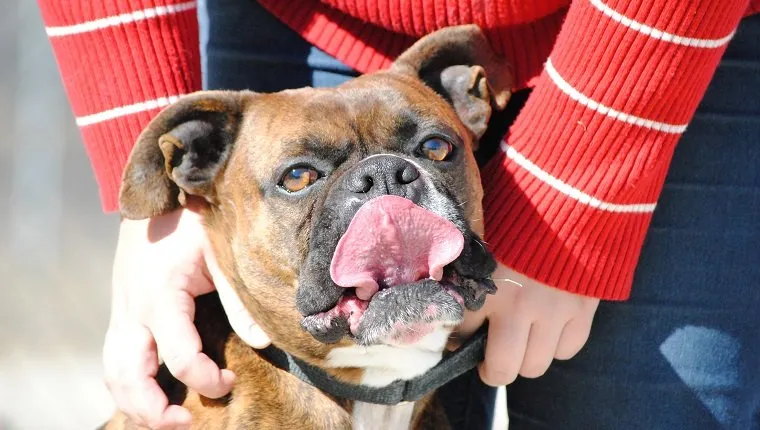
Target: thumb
x,y
471,322
237,314
469,325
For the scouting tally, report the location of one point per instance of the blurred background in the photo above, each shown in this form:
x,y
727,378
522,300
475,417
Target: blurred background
x,y
56,245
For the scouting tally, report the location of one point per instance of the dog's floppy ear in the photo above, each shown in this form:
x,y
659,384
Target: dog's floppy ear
x,y
181,152
458,63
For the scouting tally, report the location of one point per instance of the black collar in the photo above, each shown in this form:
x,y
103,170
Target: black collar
x,y
452,365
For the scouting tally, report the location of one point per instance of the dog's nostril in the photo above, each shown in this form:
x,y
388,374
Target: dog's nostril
x,y
387,175
361,184
367,184
407,174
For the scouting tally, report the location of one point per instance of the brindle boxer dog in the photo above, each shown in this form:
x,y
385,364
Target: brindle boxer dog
x,y
347,219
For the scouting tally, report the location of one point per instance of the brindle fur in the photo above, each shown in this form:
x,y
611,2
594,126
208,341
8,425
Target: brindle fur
x,y
260,239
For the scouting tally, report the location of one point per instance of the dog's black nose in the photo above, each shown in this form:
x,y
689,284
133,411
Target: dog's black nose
x,y
383,175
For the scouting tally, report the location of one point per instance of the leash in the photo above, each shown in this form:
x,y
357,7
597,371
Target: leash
x,y
452,365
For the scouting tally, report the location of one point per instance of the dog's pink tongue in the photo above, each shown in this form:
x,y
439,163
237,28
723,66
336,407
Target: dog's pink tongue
x,y
392,241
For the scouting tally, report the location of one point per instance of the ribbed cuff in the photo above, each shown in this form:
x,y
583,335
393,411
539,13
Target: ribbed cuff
x,y
118,76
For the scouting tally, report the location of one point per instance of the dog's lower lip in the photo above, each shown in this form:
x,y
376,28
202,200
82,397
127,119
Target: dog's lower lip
x,y
349,295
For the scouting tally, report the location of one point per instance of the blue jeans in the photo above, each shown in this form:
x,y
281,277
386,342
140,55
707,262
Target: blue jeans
x,y
684,351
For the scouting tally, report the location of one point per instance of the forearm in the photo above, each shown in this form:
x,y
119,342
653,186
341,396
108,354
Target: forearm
x,y
570,197
121,61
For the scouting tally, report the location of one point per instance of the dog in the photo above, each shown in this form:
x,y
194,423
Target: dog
x,y
349,222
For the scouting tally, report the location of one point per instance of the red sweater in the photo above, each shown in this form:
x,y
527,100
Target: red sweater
x,y
570,197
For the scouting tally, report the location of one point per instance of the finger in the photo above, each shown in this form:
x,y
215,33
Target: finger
x,y
180,346
242,322
156,415
131,362
123,404
505,349
574,336
176,416
470,323
539,353
240,319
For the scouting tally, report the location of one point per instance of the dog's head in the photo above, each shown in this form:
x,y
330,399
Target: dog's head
x,y
341,215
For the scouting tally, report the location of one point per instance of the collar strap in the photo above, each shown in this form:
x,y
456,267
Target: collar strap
x,y
452,365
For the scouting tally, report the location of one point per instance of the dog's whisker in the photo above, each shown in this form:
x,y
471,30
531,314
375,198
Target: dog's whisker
x,y
508,280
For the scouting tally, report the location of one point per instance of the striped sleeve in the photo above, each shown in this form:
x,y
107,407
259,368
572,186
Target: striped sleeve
x,y
570,196
121,61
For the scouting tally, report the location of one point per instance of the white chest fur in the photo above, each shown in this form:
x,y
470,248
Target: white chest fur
x,y
384,364
369,416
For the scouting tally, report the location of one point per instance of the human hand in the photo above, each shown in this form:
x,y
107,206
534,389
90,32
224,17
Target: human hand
x,y
530,324
161,265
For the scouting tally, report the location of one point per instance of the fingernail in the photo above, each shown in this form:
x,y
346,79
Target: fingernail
x,y
181,418
494,378
258,339
228,377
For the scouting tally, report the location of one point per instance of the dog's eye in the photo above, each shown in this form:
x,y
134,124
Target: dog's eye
x,y
298,178
436,149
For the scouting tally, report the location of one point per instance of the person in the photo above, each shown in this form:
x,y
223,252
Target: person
x,y
587,171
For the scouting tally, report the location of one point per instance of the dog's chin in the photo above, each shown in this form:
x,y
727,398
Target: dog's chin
x,y
401,314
